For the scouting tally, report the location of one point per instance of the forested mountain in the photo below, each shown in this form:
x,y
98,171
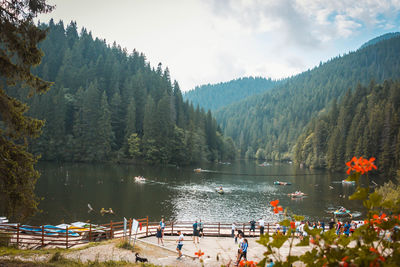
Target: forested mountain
x,y
381,38
271,123
108,104
215,96
366,122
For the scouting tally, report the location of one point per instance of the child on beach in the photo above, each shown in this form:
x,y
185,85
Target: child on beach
x,y
180,245
242,252
159,236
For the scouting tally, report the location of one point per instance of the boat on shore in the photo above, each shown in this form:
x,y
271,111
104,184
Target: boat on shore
x,y
297,194
281,183
140,179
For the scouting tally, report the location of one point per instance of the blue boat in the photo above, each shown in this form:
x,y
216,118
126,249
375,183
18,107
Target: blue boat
x,y
52,228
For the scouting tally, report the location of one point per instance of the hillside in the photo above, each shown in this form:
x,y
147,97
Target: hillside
x,y
380,38
214,96
108,104
272,122
366,122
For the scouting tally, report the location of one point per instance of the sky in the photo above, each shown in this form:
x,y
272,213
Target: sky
x,y
212,41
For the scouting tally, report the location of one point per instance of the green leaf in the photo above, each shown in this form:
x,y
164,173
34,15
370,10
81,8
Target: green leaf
x,y
329,236
279,240
344,240
360,194
355,176
298,218
264,240
304,242
375,199
285,223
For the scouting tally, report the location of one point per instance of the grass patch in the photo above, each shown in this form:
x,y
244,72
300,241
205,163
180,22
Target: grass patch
x,y
12,251
70,263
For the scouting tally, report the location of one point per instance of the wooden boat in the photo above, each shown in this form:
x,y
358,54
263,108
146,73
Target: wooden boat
x,y
297,194
140,179
281,183
348,182
198,170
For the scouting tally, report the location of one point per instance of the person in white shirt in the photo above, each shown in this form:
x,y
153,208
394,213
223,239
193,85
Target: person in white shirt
x,y
233,229
261,224
180,244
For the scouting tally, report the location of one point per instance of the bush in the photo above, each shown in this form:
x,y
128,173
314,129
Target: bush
x,y
376,243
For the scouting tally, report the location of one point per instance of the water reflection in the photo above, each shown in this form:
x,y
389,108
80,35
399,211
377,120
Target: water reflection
x,y
181,194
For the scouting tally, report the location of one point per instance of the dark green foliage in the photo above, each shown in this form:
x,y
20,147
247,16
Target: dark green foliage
x,y
107,105
215,96
366,123
274,120
18,54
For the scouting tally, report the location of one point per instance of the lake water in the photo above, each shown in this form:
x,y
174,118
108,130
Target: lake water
x,y
181,194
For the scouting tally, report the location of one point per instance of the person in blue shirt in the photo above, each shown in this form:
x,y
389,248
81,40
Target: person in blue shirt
x,y
347,229
243,251
270,263
196,232
162,225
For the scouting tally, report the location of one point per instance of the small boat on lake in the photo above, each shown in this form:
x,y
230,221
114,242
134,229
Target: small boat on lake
x,y
297,194
281,183
219,190
342,212
348,182
264,164
140,179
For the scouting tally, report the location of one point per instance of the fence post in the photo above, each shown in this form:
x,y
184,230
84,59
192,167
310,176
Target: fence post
x,y
172,228
17,235
219,228
66,237
147,225
90,232
42,236
111,230
130,227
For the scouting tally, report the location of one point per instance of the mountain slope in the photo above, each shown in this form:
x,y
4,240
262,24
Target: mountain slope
x,y
106,104
380,38
365,123
273,121
215,96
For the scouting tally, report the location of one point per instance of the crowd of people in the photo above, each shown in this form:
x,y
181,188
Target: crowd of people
x,y
341,227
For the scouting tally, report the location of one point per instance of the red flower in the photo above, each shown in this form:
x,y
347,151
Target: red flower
x,y
373,250
278,209
199,253
360,165
274,203
242,263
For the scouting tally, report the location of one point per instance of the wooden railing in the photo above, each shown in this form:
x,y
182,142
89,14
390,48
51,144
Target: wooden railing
x,y
39,237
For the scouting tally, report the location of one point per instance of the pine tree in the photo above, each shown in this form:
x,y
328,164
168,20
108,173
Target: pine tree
x,y
18,52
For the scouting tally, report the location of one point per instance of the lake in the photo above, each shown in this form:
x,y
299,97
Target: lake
x,y
181,194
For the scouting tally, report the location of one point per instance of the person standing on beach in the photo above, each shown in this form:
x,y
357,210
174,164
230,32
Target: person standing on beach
x,y
233,230
159,236
196,232
242,252
180,245
261,224
201,228
252,227
162,225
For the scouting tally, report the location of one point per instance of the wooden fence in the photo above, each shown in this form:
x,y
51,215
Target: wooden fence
x,y
39,237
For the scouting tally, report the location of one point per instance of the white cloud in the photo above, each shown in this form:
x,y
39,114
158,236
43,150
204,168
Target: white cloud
x,y
208,41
